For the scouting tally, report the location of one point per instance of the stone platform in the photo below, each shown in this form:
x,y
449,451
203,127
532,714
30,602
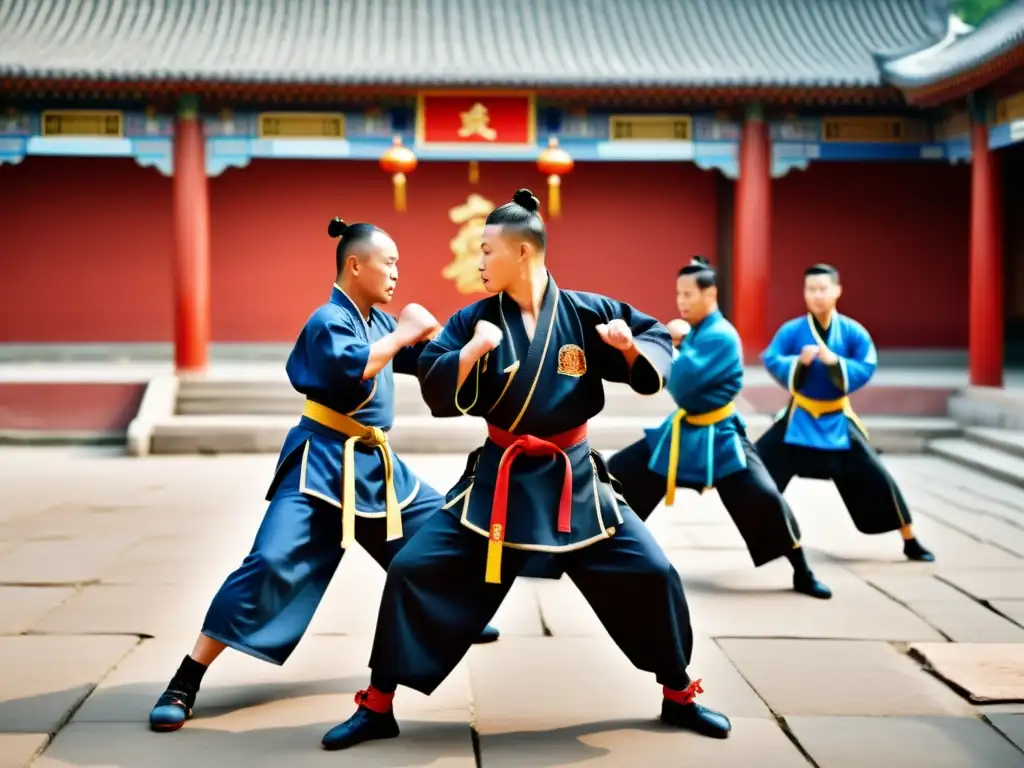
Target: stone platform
x,y
107,566
218,414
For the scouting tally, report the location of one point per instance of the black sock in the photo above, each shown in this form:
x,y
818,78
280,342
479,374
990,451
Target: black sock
x,y
190,673
798,560
382,683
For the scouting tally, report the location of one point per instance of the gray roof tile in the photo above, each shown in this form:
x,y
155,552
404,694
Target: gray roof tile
x,y
999,34
528,43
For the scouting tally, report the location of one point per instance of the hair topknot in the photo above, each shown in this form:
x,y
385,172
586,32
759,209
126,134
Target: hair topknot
x,y
337,227
527,200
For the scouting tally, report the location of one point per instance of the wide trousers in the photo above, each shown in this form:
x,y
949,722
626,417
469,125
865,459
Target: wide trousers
x,y
870,494
754,503
436,601
265,606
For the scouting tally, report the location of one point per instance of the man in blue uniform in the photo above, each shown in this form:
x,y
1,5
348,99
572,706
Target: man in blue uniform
x,y
530,360
337,480
822,358
704,444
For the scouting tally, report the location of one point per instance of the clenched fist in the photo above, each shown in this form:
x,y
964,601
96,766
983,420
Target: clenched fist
x,y
678,329
808,353
616,334
415,324
486,336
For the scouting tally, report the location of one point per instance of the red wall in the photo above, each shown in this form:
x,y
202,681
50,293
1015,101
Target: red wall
x,y
897,232
87,242
86,251
624,229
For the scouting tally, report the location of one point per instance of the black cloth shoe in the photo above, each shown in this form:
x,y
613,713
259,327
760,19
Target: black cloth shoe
x,y
808,584
914,551
364,725
696,718
173,707
489,635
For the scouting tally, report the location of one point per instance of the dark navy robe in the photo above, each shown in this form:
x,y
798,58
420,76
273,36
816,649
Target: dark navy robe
x,y
542,387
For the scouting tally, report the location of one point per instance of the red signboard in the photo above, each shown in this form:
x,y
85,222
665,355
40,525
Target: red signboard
x,y
498,119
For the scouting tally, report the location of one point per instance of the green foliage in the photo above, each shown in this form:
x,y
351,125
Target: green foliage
x,y
975,11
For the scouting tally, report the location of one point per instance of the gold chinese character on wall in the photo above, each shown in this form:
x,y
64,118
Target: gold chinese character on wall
x,y
476,122
464,266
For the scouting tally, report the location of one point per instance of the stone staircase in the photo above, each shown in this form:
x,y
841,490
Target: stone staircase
x,y
996,452
993,433
253,415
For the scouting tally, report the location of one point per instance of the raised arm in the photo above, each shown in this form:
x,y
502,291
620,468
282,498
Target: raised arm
x,y
637,349
407,360
858,368
333,355
703,362
780,360
449,367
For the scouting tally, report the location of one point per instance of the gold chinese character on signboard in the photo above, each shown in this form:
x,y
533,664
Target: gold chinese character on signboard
x,y
464,266
476,122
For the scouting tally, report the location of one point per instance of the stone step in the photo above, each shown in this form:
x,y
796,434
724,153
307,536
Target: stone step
x,y
993,462
1007,440
988,407
424,434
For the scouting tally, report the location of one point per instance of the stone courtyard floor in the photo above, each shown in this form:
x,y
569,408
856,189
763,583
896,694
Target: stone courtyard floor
x,y
107,565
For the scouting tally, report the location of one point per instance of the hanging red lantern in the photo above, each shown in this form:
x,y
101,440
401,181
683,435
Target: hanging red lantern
x,y
398,161
555,163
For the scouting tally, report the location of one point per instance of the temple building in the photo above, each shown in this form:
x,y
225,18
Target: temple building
x,y
168,168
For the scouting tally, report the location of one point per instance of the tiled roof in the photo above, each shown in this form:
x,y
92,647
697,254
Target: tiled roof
x,y
1000,33
524,43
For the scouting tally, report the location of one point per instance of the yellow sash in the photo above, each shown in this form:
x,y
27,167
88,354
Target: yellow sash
x,y
375,437
698,420
818,408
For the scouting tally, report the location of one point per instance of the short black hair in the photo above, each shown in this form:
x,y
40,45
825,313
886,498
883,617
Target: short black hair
x,y
521,215
823,269
701,271
351,235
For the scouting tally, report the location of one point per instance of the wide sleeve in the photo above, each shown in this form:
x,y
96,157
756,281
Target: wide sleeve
x,y
860,365
438,370
408,359
779,360
335,357
702,363
650,369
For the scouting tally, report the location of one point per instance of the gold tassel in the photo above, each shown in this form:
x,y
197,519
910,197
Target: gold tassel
x,y
493,572
474,171
348,494
554,196
393,512
399,180
673,458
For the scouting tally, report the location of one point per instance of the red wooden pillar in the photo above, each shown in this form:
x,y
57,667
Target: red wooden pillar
x,y
751,239
191,241
986,260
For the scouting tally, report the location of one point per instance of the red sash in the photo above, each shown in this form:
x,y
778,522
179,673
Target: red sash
x,y
515,446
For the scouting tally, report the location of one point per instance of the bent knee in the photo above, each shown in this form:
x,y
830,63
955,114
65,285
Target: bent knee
x,y
657,567
406,564
273,561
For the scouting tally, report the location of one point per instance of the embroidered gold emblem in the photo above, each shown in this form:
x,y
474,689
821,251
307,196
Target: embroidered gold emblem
x,y
572,361
465,246
496,532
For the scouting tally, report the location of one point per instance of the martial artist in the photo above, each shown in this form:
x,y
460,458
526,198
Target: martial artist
x,y
337,480
822,358
530,360
704,445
